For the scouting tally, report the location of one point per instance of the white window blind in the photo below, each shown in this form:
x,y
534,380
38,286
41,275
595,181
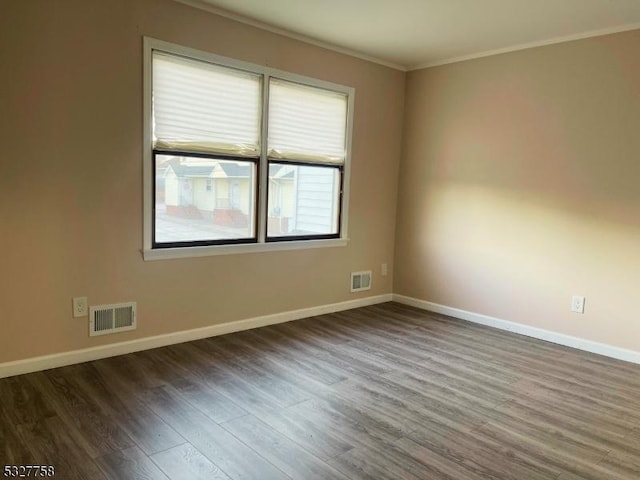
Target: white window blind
x,y
200,107
306,123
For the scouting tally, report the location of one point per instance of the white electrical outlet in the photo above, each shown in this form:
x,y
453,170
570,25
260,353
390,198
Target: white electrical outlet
x,y
577,304
383,270
80,307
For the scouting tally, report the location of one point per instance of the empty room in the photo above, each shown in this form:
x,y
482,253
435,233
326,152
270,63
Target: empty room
x,y
320,240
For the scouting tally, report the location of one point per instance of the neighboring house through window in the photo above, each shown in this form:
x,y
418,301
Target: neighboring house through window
x,y
241,155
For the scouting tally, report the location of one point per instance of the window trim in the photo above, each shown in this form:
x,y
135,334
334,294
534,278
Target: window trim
x,y
261,245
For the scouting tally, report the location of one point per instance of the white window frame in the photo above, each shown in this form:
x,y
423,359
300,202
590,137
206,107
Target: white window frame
x,y
149,253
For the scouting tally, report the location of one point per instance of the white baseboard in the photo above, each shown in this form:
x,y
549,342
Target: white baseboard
x,y
35,364
539,333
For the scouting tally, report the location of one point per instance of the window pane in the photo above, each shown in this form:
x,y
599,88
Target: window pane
x,y
306,123
203,199
202,107
303,200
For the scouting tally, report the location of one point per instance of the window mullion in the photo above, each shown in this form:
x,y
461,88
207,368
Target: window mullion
x,y
263,167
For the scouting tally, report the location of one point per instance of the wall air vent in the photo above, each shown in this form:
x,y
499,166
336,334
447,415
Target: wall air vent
x,y
104,319
360,281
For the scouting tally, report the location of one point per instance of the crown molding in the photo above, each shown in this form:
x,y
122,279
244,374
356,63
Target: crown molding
x,y
526,46
203,5
200,4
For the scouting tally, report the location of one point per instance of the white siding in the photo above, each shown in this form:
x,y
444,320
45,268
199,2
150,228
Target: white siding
x,y
171,195
316,191
202,198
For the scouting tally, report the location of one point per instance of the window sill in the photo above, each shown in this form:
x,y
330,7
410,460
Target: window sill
x,y
209,251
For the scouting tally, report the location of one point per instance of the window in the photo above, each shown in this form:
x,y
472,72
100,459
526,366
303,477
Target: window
x,y
241,157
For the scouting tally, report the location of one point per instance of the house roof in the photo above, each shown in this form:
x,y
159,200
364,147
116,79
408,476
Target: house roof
x,y
208,171
235,169
229,170
280,171
192,170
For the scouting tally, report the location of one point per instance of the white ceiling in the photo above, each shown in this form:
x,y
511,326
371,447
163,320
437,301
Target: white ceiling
x,y
409,34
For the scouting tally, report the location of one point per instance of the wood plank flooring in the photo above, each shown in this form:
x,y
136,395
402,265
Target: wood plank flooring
x,y
382,392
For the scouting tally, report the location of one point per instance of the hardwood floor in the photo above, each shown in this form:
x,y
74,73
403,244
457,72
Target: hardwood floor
x,y
379,392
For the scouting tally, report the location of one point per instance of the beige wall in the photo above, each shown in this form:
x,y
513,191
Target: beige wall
x,y
71,177
520,187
